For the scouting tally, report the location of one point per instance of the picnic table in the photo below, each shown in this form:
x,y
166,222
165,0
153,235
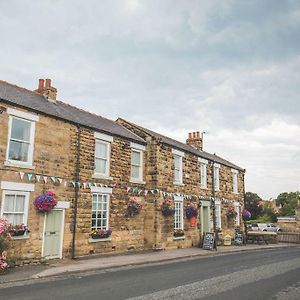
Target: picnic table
x,y
261,236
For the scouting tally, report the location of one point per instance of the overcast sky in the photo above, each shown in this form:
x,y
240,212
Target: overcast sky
x,y
230,68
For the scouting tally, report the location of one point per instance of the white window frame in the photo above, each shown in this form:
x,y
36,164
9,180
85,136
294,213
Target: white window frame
x,y
138,149
178,202
203,173
15,188
27,117
218,212
178,154
234,181
107,211
217,177
238,216
105,140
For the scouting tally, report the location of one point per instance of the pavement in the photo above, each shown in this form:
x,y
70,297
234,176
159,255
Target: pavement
x,y
68,266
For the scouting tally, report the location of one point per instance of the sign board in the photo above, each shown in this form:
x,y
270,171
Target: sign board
x,y
239,238
208,241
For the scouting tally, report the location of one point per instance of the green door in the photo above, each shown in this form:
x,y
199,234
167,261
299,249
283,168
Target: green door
x,y
205,220
53,234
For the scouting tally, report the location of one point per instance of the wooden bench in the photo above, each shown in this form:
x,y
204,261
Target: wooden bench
x,y
261,236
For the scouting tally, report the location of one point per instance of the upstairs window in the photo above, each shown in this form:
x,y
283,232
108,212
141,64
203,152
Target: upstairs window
x,y
136,165
102,154
217,177
20,137
203,173
178,169
234,181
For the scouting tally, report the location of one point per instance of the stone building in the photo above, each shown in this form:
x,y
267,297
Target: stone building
x,y
184,171
97,167
47,145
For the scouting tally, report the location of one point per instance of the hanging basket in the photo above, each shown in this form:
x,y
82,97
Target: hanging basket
x,y
45,202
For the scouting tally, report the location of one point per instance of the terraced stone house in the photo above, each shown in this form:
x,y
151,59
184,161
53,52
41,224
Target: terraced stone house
x,y
96,167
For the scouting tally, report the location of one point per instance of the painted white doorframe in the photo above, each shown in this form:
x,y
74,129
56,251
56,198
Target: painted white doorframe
x,y
61,234
205,204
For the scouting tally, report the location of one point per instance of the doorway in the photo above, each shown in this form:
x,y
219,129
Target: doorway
x,y
53,234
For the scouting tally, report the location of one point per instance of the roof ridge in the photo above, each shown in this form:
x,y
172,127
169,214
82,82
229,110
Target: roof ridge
x,y
20,87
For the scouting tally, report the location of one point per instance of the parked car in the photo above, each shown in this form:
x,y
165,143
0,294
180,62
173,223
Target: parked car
x,y
265,227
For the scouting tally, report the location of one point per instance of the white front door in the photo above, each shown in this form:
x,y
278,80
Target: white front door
x,y
53,234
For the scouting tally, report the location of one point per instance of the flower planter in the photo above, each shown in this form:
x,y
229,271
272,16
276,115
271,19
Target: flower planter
x,y
193,221
100,236
178,234
18,233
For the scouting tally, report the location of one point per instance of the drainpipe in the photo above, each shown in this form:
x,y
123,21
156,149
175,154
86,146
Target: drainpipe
x,y
214,204
76,192
244,200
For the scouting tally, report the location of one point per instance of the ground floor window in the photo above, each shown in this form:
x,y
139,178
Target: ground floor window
x,y
178,215
15,207
237,210
100,211
218,214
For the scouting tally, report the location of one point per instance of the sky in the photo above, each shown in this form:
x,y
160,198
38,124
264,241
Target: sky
x,y
229,68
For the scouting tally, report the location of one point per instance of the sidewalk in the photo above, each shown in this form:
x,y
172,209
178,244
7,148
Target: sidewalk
x,y
68,266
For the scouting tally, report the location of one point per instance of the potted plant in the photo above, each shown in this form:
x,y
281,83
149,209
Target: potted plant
x,y
231,213
167,207
18,230
4,238
134,206
191,210
178,233
100,233
45,202
246,215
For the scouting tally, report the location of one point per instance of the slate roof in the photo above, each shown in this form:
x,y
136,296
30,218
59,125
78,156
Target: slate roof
x,y
186,148
36,102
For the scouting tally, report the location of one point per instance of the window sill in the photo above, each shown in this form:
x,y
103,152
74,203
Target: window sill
x,y
203,187
99,240
235,193
178,183
178,238
101,176
17,164
137,181
20,237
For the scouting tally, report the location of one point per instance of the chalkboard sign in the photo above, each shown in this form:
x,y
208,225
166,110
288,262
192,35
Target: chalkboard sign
x,y
208,241
239,238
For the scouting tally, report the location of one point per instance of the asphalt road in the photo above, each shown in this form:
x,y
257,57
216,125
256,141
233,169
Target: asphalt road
x,y
272,274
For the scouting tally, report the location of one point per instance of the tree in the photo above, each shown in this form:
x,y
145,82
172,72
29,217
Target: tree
x,y
269,211
288,203
253,204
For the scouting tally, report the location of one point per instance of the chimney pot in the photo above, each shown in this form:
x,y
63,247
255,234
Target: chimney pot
x,y
41,85
48,83
198,134
190,135
194,134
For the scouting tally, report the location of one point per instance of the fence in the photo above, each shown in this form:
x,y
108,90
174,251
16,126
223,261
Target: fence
x,y
288,237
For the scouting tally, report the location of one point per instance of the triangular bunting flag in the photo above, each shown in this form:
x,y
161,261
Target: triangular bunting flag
x,y
78,184
73,183
146,192
89,184
65,183
84,185
60,180
29,176
38,178
53,178
95,184
45,179
21,175
128,189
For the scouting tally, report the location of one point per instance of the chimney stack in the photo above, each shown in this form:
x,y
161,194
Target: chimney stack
x,y
47,90
195,140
